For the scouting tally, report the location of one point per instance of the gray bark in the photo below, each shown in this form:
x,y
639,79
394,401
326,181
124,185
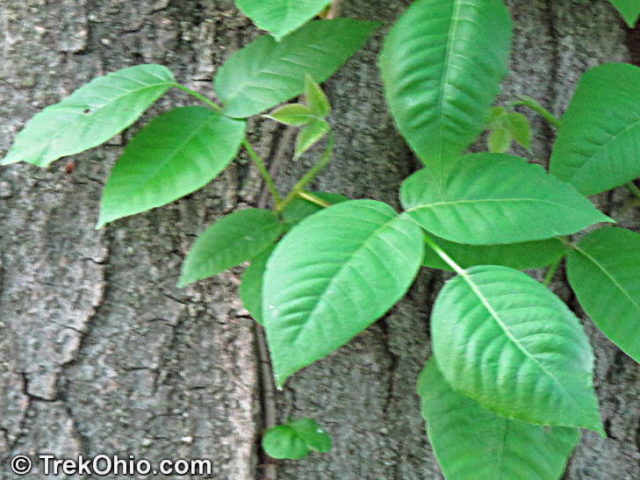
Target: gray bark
x,y
101,353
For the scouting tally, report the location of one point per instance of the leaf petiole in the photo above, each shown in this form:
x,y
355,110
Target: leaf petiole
x,y
262,168
534,105
551,272
310,197
633,188
199,96
444,256
309,176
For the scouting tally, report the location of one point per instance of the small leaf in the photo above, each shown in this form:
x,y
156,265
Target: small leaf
x,y
295,115
332,276
316,98
299,209
496,119
472,443
296,439
485,199
499,140
629,9
310,135
442,64
597,144
176,154
281,17
251,286
521,256
91,115
507,342
266,73
604,271
520,128
233,239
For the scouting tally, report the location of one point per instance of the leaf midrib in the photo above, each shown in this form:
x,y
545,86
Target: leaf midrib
x,y
609,275
338,272
504,327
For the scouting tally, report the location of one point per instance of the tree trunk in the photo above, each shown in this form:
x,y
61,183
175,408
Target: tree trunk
x,y
101,353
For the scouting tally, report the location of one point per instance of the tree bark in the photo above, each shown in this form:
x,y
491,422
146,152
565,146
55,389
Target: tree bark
x,y
101,353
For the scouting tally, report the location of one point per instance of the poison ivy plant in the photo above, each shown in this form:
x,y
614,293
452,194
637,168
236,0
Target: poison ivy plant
x,y
598,140
296,439
442,64
510,382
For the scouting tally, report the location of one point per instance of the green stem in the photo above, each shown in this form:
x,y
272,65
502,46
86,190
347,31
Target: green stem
x,y
539,109
632,187
310,197
309,176
199,96
551,272
444,256
262,168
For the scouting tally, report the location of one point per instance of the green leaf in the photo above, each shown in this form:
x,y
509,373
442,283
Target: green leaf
x,y
521,256
442,65
507,342
251,286
597,144
604,271
296,439
281,17
520,128
316,98
332,276
472,443
499,140
295,115
91,115
233,239
629,9
299,209
266,73
310,135
485,199
176,154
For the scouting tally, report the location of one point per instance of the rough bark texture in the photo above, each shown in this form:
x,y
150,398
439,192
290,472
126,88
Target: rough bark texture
x,y
101,353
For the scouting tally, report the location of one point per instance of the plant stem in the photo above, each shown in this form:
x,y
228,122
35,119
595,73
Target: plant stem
x,y
310,197
262,168
199,96
539,109
309,176
551,272
444,256
334,9
633,188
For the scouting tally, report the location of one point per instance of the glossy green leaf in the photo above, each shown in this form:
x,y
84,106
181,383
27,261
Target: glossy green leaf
x,y
485,199
520,128
296,439
266,73
176,154
507,342
251,286
294,115
472,443
91,115
604,272
598,141
442,65
521,256
233,239
310,135
629,9
332,276
316,98
499,140
281,17
299,209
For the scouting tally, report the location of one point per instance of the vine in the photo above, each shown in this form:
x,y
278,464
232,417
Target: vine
x,y
510,384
